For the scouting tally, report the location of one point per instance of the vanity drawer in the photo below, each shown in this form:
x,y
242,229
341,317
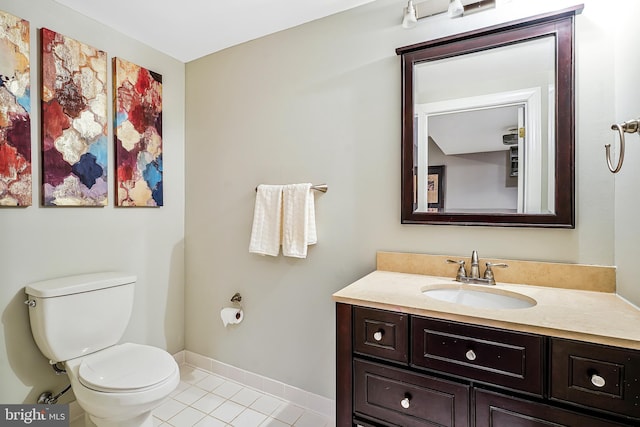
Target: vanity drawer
x,y
381,333
596,376
359,423
408,399
497,410
504,358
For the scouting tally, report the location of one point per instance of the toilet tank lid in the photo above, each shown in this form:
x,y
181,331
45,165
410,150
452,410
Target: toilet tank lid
x,y
80,283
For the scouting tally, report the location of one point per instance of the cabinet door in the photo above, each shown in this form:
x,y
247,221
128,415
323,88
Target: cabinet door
x,y
494,356
407,399
381,333
596,376
497,410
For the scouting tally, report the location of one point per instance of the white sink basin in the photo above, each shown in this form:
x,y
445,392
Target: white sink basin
x,y
479,297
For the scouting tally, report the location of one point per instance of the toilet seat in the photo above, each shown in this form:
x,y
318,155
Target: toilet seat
x,y
126,368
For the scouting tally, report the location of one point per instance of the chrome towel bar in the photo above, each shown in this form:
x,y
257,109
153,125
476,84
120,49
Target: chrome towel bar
x,y
318,187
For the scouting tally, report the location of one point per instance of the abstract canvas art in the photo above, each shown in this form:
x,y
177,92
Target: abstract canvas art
x,y
15,110
74,122
138,134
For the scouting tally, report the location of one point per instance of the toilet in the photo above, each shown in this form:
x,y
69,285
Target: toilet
x,y
78,321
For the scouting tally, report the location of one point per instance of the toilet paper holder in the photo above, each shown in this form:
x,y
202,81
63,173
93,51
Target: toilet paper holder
x,y
236,310
236,298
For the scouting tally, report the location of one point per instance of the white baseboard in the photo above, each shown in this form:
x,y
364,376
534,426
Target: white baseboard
x,y
305,399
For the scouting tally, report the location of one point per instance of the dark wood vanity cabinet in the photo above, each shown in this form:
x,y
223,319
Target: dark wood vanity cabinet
x,y
395,369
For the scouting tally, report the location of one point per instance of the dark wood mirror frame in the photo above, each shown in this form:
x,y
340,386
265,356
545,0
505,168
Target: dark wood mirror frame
x,y
558,24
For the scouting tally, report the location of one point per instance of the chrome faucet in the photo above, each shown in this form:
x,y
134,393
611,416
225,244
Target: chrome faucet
x,y
474,272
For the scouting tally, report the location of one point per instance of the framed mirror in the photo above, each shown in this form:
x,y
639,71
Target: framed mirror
x,y
488,126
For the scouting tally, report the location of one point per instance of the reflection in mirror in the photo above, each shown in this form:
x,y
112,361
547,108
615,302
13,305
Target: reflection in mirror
x,y
488,126
492,130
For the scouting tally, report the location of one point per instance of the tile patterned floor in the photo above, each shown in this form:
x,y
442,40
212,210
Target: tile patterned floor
x,y
203,399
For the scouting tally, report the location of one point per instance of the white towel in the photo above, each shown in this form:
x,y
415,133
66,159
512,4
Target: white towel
x,y
267,221
298,220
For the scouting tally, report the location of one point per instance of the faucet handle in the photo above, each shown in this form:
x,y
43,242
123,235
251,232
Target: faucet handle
x,y
461,271
488,273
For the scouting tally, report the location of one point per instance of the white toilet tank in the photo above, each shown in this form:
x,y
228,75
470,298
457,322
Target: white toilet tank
x,y
77,315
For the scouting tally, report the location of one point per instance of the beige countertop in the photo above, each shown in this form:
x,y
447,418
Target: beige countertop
x,y
598,317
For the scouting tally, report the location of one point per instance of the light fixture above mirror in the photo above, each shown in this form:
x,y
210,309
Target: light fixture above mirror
x,y
454,8
410,18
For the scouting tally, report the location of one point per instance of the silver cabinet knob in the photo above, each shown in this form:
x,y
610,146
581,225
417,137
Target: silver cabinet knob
x,y
378,335
405,403
470,355
597,380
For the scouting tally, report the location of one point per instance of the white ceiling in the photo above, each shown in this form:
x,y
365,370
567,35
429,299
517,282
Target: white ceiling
x,y
189,29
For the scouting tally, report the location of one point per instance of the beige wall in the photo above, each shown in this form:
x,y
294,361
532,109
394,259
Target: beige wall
x,y
627,92
321,103
38,243
318,103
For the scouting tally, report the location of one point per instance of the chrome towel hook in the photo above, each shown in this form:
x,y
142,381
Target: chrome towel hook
x,y
631,126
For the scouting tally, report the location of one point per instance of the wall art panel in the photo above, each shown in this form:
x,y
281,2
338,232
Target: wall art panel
x,y
74,122
15,111
137,134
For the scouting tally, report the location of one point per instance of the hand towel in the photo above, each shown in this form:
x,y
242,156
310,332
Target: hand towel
x,y
267,221
298,220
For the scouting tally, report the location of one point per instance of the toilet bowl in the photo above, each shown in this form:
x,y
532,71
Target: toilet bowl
x,y
121,385
78,321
